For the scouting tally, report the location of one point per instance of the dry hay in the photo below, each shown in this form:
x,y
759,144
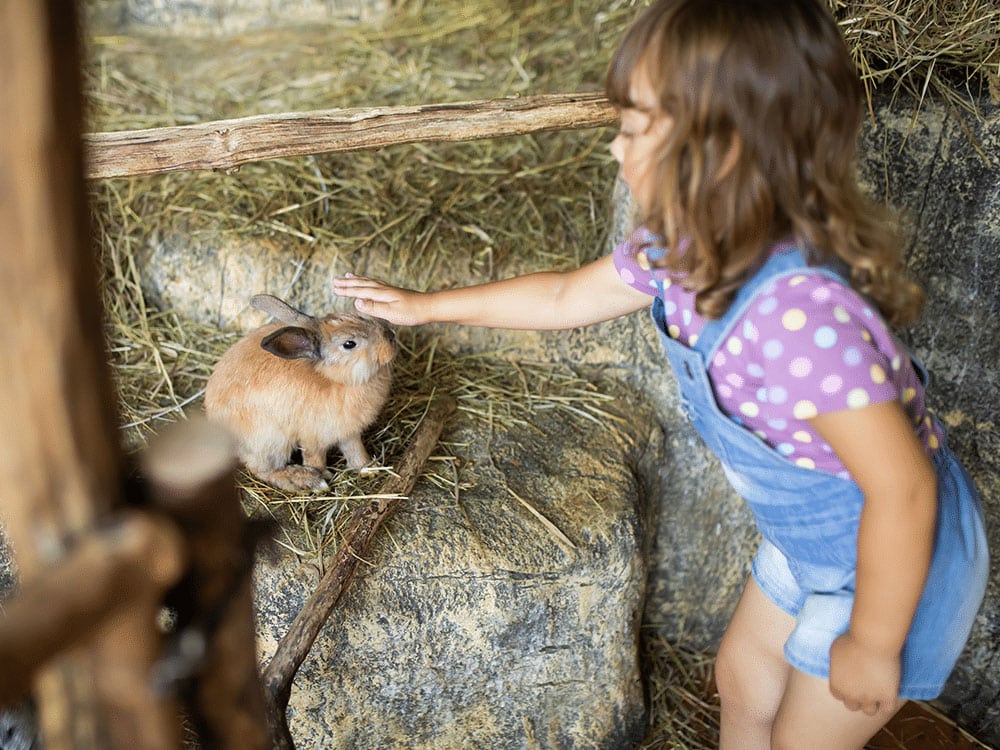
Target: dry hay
x,y
949,49
683,706
413,210
538,201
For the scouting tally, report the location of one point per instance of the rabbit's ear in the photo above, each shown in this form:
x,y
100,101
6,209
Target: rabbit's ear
x,y
293,342
385,350
280,309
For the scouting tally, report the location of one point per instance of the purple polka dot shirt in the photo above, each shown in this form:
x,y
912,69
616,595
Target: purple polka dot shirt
x,y
806,345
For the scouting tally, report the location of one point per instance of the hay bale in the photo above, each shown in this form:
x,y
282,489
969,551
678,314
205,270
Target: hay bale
x,y
948,50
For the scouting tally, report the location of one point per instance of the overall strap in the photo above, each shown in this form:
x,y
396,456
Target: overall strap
x,y
783,262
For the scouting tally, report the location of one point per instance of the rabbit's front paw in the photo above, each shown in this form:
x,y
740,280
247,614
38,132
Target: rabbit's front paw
x,y
355,454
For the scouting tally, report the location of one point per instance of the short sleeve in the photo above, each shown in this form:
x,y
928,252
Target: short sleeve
x,y
821,347
806,345
631,259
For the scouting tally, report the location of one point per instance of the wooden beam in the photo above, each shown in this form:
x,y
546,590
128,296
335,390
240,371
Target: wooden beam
x,y
228,144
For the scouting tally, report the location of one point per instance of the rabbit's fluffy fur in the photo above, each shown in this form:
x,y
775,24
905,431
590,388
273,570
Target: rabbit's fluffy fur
x,y
313,385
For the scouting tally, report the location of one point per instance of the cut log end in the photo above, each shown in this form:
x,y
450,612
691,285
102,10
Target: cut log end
x,y
187,456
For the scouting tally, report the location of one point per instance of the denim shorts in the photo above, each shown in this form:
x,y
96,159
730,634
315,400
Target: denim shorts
x,y
947,610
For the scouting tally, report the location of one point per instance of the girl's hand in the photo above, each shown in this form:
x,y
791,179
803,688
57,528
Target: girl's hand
x,y
879,447
397,306
862,678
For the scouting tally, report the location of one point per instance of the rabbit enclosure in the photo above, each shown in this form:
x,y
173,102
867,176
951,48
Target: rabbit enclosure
x,y
562,572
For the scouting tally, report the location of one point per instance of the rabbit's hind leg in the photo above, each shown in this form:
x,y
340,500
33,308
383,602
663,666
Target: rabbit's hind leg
x,y
315,458
295,478
268,460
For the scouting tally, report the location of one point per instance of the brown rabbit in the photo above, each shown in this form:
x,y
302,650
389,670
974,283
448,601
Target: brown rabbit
x,y
311,383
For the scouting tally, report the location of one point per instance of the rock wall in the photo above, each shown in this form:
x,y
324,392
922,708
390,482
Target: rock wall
x,y
476,626
214,17
943,168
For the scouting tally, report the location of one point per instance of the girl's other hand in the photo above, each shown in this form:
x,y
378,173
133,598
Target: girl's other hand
x,y
372,297
864,679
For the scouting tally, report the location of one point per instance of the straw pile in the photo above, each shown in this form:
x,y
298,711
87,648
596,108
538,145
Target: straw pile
x,y
409,213
947,49
523,203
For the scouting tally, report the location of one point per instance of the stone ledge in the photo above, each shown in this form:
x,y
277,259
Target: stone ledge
x,y
475,626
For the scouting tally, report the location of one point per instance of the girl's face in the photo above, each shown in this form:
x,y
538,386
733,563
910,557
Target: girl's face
x,y
641,134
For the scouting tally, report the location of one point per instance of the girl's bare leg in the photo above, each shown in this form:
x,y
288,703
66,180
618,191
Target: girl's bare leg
x,y
751,672
811,717
767,705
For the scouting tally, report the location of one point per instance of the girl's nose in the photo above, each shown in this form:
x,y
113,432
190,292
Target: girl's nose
x,y
617,148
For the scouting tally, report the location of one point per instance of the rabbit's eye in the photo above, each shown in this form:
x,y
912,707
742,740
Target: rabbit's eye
x,y
349,344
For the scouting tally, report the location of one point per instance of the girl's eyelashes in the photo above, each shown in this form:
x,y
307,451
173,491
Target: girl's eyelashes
x,y
634,122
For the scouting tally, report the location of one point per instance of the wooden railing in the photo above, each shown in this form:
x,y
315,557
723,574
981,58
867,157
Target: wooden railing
x,y
228,144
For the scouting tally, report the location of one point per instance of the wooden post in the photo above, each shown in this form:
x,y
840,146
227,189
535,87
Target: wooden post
x,y
126,564
61,468
191,474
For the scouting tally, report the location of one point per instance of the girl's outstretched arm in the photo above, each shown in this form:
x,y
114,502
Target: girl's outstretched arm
x,y
878,446
538,301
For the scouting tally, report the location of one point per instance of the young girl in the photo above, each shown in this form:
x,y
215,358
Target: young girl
x,y
770,276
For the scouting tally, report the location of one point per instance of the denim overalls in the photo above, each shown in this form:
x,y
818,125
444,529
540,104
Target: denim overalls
x,y
809,519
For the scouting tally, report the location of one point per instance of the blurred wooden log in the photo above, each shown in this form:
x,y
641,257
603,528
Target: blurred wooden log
x,y
62,468
227,144
190,470
294,647
88,567
69,601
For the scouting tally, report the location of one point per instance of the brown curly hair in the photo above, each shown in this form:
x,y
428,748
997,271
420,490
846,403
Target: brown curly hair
x,y
765,106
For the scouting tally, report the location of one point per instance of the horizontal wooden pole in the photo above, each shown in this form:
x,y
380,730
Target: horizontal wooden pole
x,y
228,144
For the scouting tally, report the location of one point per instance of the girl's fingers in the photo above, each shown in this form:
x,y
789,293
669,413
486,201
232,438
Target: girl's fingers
x,y
378,299
352,280
354,286
353,283
377,294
